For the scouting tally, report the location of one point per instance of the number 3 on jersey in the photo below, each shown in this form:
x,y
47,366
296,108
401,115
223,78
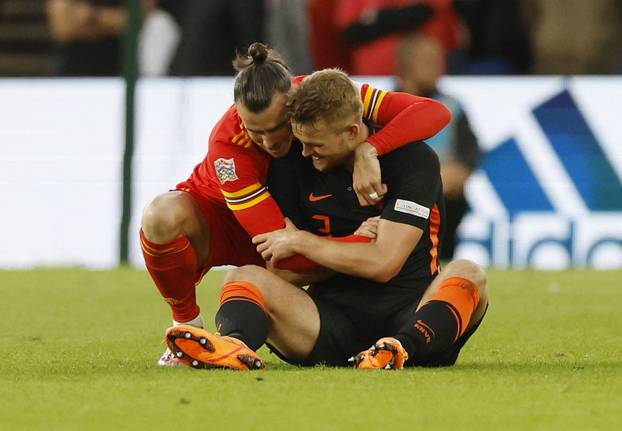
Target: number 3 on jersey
x,y
325,220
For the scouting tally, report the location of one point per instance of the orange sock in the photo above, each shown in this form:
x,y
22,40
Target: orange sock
x,y
463,296
440,321
244,291
173,268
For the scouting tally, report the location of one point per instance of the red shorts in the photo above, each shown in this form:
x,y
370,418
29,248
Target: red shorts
x,y
229,242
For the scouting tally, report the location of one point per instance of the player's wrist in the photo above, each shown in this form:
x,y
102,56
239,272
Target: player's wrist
x,y
366,150
300,239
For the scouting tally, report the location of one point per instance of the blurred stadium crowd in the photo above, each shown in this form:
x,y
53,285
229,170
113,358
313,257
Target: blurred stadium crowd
x,y
198,37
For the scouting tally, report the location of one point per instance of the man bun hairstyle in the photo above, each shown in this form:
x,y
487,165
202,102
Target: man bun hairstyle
x,y
261,74
258,52
327,95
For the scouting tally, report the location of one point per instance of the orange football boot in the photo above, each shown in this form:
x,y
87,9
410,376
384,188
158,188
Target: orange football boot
x,y
198,348
387,354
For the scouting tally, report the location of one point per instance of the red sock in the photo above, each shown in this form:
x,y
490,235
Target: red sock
x,y
173,268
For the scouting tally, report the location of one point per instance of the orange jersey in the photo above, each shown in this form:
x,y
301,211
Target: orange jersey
x,y
235,170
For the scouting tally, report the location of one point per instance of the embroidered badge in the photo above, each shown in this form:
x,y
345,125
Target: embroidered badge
x,y
225,170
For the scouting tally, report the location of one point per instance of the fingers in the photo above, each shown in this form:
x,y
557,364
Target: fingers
x,y
371,194
368,233
265,252
257,239
362,201
267,255
366,193
369,228
262,247
372,221
368,197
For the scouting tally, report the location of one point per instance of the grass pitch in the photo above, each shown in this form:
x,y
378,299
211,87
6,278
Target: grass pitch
x,y
78,350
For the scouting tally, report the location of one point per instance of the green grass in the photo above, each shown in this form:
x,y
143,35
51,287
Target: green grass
x,y
78,350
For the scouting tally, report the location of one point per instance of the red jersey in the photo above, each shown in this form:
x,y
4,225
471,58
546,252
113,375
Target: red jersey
x,y
234,172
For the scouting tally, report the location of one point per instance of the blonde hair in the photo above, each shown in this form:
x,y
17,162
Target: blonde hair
x,y
327,95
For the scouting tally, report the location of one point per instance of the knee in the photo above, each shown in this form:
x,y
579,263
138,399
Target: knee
x,y
164,217
469,270
250,273
256,276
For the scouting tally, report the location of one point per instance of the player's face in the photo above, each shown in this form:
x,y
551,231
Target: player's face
x,y
328,146
270,128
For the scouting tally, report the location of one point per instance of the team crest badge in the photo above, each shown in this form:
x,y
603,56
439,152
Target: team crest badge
x,y
225,169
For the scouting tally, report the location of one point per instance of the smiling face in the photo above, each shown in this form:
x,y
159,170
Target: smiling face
x,y
270,128
326,112
329,145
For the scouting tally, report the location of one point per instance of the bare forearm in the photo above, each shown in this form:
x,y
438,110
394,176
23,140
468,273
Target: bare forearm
x,y
357,259
380,260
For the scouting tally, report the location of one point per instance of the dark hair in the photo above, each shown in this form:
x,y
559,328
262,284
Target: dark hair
x,y
261,74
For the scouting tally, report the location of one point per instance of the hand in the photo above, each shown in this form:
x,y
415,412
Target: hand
x,y
366,177
369,228
277,245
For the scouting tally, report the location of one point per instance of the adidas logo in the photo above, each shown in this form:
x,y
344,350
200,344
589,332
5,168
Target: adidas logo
x,y
557,196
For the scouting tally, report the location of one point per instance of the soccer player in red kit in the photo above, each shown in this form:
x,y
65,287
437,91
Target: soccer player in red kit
x,y
210,218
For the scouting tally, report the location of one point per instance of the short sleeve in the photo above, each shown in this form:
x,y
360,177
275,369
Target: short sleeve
x,y
413,178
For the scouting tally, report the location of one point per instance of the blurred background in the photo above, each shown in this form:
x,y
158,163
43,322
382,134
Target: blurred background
x,y
104,104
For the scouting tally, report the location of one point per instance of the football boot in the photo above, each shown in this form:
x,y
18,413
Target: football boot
x,y
198,348
387,354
